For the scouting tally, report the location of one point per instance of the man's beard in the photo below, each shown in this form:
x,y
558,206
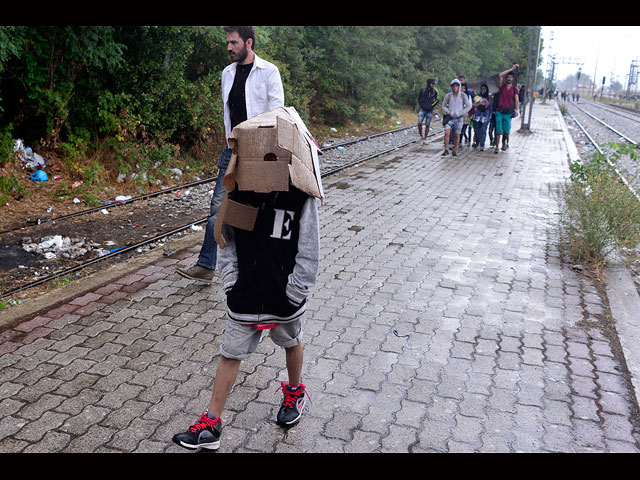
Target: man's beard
x,y
240,56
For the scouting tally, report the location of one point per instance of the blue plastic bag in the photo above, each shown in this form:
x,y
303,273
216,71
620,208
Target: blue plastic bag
x,y
39,176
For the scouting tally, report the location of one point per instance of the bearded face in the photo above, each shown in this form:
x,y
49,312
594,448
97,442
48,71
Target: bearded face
x,y
236,47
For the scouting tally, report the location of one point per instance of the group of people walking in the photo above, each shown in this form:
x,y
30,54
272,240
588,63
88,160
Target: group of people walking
x,y
471,115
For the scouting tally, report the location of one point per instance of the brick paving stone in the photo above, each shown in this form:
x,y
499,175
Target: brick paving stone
x,y
506,349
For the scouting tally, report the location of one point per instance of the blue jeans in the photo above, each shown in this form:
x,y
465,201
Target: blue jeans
x,y
481,132
425,117
209,250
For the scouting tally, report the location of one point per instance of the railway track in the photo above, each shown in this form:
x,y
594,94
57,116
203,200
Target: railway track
x,y
335,158
601,126
590,120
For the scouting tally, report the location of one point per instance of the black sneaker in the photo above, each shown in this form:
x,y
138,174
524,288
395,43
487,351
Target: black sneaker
x,y
445,153
292,405
454,153
202,434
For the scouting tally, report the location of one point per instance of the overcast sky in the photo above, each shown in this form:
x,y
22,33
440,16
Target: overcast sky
x,y
613,48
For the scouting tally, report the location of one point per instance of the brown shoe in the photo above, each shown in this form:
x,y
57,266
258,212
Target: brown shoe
x,y
196,272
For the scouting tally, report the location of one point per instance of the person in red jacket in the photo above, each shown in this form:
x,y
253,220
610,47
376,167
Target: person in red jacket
x,y
508,106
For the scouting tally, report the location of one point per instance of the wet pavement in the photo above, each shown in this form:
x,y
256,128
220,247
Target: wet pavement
x,y
444,320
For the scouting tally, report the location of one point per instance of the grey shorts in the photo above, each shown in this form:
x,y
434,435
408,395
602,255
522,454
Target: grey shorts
x,y
240,340
455,124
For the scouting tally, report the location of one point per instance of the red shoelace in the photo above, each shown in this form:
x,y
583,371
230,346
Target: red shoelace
x,y
204,422
290,398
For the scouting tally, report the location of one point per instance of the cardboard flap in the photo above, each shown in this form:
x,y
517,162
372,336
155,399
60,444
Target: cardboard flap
x,y
303,178
262,176
236,215
290,138
229,179
257,142
217,228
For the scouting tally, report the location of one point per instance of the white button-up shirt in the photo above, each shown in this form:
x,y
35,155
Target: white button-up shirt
x,y
263,90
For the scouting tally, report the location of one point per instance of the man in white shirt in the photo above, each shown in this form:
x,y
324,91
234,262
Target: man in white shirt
x,y
455,106
250,86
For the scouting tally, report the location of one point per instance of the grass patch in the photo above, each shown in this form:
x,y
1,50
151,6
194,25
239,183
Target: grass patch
x,y
598,213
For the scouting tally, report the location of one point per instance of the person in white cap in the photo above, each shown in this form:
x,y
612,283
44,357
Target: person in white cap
x,y
455,106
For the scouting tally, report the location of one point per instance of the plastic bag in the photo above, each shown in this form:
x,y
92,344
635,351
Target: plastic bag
x,y
39,176
28,158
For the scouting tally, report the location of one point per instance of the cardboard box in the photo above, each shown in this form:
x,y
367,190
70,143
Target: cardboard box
x,y
270,152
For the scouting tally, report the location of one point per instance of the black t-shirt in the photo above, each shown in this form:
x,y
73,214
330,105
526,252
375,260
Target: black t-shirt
x,y
237,102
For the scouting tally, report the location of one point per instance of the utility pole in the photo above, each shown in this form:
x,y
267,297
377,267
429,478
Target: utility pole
x,y
535,75
633,77
530,86
547,82
593,85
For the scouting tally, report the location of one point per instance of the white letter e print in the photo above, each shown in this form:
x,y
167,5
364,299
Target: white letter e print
x,y
282,224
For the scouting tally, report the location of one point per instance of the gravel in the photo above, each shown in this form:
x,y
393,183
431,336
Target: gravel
x,y
625,122
334,157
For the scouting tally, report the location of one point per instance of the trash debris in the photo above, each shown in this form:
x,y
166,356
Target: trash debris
x,y
50,209
168,251
39,176
57,177
395,332
123,198
105,211
176,171
333,130
76,200
340,149
58,246
28,158
102,253
76,184
196,228
37,221
583,270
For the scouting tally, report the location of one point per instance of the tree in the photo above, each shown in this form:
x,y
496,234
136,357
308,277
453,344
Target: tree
x,y
51,64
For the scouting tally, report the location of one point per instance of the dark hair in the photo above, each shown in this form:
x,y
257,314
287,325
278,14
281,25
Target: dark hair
x,y
245,33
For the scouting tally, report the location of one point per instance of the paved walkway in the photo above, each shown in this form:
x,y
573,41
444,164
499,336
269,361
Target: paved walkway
x,y
444,320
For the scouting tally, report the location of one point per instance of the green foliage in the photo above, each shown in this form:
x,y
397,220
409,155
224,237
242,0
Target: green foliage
x,y
10,187
52,63
598,213
143,90
6,144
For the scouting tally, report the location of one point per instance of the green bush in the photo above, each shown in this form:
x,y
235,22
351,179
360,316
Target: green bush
x,y
10,187
6,145
598,213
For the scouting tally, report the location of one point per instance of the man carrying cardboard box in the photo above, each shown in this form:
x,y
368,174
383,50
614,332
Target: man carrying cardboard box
x,y
250,86
268,233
